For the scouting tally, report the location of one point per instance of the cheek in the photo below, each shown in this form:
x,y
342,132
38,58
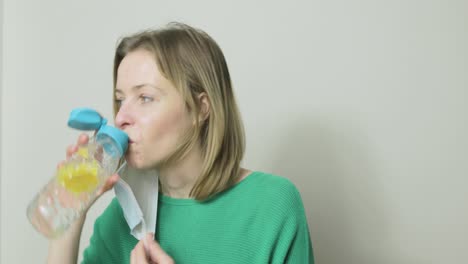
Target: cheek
x,y
165,128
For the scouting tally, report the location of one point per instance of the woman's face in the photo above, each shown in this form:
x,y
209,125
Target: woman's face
x,y
152,112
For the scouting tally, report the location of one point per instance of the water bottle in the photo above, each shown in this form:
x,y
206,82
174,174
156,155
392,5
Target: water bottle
x,y
76,182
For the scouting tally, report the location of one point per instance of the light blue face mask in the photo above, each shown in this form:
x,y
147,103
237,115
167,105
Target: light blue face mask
x,y
137,192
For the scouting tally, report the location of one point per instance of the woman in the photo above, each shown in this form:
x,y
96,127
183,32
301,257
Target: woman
x,y
173,96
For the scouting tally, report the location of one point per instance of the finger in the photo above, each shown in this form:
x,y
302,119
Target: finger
x,y
140,254
156,253
133,257
82,139
71,150
98,155
60,164
109,184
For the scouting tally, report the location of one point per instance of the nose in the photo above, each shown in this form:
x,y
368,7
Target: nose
x,y
123,119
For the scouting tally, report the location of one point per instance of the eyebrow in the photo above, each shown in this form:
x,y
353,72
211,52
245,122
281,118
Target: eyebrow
x,y
139,86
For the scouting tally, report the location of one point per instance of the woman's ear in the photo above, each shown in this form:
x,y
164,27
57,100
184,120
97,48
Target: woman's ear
x,y
205,107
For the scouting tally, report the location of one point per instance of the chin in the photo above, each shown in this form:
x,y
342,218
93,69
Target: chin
x,y
138,164
133,162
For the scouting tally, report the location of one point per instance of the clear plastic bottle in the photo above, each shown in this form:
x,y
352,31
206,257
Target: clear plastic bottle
x,y
77,181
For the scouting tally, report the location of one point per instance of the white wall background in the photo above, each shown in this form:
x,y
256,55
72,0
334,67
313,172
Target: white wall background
x,y
1,108
362,104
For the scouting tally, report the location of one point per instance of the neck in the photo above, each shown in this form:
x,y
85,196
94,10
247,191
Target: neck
x,y
178,180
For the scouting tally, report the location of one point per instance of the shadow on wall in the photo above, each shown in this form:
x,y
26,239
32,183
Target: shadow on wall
x,y
330,164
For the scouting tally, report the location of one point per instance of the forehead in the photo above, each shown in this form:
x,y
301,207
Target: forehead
x,y
138,67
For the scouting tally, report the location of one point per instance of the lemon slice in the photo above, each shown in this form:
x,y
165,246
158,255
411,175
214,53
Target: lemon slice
x,y
79,178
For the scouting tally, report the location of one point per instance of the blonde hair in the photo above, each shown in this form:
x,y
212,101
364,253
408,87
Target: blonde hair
x,y
194,63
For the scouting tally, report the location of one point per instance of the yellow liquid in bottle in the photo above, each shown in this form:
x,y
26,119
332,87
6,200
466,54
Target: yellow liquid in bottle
x,y
81,177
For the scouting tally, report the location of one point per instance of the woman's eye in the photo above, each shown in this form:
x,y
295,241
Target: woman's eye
x,y
146,99
118,102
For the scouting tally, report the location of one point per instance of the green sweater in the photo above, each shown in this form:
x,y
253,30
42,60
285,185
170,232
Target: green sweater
x,y
259,220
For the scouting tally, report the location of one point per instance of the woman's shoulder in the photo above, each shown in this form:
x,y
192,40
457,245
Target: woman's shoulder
x,y
271,198
271,182
270,187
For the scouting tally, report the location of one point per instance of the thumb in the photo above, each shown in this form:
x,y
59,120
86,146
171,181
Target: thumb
x,y
155,252
110,182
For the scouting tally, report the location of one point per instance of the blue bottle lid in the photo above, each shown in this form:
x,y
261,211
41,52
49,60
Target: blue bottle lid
x,y
118,137
85,119
90,119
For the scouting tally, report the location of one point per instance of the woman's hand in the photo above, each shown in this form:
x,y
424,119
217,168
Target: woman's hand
x,y
110,182
64,249
149,251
